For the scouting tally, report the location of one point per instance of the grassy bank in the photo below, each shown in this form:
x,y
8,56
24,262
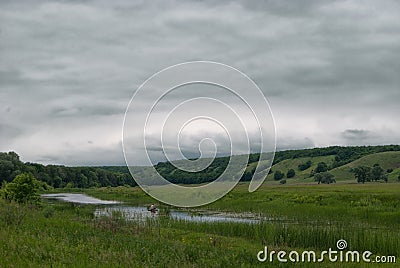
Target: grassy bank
x,y
297,218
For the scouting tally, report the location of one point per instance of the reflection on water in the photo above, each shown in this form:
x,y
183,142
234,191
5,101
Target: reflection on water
x,y
141,213
79,198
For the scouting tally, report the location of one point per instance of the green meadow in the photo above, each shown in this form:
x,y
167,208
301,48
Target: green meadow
x,y
294,217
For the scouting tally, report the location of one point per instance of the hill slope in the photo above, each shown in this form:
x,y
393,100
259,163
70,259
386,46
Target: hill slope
x,y
387,160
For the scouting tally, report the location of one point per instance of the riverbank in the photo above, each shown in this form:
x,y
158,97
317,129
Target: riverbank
x,y
63,234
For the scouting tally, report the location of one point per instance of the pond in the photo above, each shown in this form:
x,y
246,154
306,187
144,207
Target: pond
x,y
142,213
79,199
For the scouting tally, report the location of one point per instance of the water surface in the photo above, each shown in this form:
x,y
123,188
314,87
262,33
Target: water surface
x,y
142,213
79,199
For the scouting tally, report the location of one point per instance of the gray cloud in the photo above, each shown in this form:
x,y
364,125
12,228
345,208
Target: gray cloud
x,y
356,134
69,68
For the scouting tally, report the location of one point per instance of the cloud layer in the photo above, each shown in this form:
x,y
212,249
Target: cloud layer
x,y
69,68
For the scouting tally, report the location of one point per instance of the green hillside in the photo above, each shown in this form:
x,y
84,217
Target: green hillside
x,y
287,164
387,160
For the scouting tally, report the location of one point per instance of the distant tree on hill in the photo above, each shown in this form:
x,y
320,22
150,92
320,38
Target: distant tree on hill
x,y
321,167
325,177
377,173
290,174
362,173
304,166
278,175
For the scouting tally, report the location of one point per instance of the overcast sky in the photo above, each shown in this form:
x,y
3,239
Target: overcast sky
x,y
330,69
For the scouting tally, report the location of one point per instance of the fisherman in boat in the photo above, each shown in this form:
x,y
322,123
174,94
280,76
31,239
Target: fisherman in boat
x,y
152,208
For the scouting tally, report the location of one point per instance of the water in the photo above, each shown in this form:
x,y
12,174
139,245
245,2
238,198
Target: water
x,y
142,213
79,199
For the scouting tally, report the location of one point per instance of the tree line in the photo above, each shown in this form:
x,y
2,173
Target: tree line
x,y
59,176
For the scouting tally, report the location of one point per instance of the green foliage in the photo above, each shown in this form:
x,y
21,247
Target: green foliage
x,y
366,174
321,167
324,177
304,166
23,189
58,176
290,174
377,173
278,175
362,174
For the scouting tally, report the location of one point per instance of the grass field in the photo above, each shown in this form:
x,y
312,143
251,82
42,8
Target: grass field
x,y
300,217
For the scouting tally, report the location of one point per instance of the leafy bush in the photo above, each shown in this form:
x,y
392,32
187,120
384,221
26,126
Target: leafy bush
x,y
305,165
278,175
23,189
290,174
325,177
321,167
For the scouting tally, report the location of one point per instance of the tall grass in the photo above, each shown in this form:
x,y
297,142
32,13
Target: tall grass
x,y
309,217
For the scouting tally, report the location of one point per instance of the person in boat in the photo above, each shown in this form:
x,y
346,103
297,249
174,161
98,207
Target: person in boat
x,y
152,208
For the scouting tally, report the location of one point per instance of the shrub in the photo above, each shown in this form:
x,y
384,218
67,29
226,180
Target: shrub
x,y
290,174
23,189
321,167
278,175
325,177
305,165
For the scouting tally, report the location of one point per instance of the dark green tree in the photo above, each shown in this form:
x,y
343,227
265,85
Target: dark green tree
x,y
278,175
304,166
325,177
290,174
377,173
321,167
362,174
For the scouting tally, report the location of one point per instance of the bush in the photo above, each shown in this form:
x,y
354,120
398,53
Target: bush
x,y
321,167
325,177
290,174
23,189
282,181
305,165
278,175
